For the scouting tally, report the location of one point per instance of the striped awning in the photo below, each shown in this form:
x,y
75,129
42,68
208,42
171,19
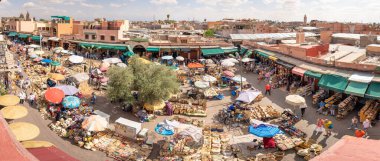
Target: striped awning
x,y
298,71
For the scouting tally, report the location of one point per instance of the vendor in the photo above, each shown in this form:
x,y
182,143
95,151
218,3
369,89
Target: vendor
x,y
232,108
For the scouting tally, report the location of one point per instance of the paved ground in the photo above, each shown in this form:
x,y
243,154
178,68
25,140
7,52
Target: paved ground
x,y
277,100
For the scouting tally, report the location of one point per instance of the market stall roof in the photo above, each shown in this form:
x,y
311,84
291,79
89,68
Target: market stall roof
x,y
350,148
356,88
153,49
54,38
361,77
230,50
11,34
36,38
285,64
45,39
23,36
51,154
298,71
333,82
66,18
130,123
212,51
104,46
243,50
11,148
373,91
312,74
248,53
276,36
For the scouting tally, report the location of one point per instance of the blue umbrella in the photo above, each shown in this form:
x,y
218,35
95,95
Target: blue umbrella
x,y
265,131
71,102
46,60
165,130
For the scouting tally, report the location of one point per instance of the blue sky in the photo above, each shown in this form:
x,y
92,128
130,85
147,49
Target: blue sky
x,y
283,10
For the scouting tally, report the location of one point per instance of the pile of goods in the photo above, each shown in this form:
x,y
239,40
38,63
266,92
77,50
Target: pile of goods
x,y
288,120
309,149
285,143
331,101
189,107
318,97
60,126
195,122
305,90
215,146
346,106
369,111
85,89
211,92
260,113
119,148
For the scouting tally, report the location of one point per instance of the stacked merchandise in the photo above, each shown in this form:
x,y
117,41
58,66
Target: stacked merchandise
x,y
215,146
285,143
319,96
260,113
332,100
346,106
189,107
305,90
288,120
369,111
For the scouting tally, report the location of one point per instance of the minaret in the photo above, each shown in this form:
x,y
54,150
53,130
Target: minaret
x,y
305,20
27,17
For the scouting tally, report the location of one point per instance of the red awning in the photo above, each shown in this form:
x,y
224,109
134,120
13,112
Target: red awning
x,y
351,149
51,154
298,71
10,148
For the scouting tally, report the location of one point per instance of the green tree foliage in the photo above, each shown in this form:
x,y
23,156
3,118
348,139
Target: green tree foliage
x,y
3,91
209,33
153,82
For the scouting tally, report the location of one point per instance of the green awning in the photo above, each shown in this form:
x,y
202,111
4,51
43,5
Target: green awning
x,y
232,50
313,74
333,82
36,38
66,18
212,51
373,91
23,36
153,49
248,54
356,88
243,50
262,54
12,34
285,64
103,46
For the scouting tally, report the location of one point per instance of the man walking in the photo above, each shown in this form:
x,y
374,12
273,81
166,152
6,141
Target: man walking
x,y
354,123
22,97
267,89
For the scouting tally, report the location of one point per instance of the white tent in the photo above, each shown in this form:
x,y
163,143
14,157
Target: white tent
x,y
248,96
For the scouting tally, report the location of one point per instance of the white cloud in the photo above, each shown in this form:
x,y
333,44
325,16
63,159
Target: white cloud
x,y
116,5
267,1
163,2
222,2
29,5
90,5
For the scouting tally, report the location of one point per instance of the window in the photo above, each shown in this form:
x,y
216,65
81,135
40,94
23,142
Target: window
x,y
112,38
86,36
102,37
93,37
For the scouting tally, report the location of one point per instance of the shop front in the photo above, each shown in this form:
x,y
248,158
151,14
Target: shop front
x,y
210,52
36,39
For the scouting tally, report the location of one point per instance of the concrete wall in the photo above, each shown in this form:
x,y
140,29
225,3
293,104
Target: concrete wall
x,y
27,27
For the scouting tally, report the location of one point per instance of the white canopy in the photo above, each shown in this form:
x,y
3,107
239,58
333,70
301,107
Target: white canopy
x,y
76,59
180,58
238,78
248,96
112,60
81,77
168,57
201,84
361,77
228,64
209,78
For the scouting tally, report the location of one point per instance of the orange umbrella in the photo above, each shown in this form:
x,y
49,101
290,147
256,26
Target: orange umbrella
x,y
195,65
54,95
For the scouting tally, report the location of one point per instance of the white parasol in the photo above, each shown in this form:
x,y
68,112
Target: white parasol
x,y
112,60
76,59
239,78
123,65
201,84
233,60
209,61
209,78
168,57
95,123
248,96
64,51
228,64
244,60
295,100
39,52
81,77
180,58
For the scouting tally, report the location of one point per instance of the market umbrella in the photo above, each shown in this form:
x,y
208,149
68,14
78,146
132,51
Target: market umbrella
x,y
264,130
55,63
211,65
57,76
248,96
228,73
37,59
295,100
103,69
112,60
201,84
54,95
233,60
9,100
158,105
105,64
209,78
247,60
36,144
14,112
209,61
58,49
39,52
24,131
71,102
76,59
228,64
123,65
33,56
168,57
95,123
195,65
46,61
81,77
64,51
180,58
239,78
68,90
